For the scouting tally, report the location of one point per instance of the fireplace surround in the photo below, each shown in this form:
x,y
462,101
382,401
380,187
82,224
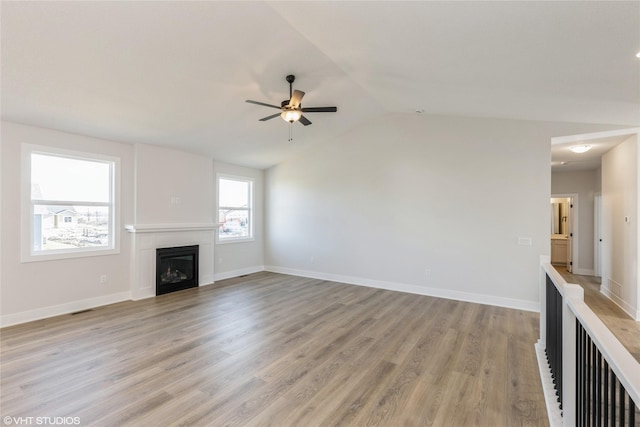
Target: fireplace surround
x,y
146,238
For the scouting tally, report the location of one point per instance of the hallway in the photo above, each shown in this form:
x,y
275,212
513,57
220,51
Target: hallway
x,y
620,323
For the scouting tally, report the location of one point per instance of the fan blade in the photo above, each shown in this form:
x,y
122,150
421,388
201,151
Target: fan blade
x,y
262,103
296,98
304,121
320,109
264,119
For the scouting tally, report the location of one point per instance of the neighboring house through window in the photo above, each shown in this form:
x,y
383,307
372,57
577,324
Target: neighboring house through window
x,y
71,203
235,208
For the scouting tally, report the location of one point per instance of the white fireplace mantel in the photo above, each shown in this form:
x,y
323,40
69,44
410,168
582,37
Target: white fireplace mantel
x,y
147,238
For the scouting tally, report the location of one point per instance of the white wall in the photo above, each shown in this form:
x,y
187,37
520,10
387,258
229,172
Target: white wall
x,y
377,206
619,237
44,288
172,186
384,203
151,178
237,258
584,184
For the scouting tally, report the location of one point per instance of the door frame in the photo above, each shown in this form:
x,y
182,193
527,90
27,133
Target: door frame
x,y
573,225
597,239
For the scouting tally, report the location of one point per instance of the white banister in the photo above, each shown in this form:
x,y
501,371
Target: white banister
x,y
625,367
621,362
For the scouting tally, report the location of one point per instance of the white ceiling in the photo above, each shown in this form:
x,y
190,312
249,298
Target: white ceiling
x,y
177,73
565,160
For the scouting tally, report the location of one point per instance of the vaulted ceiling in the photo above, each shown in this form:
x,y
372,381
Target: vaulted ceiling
x,y
177,73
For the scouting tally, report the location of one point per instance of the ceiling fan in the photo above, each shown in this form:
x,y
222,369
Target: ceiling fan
x,y
291,109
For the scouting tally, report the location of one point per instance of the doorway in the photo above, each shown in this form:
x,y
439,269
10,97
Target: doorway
x,y
562,233
612,257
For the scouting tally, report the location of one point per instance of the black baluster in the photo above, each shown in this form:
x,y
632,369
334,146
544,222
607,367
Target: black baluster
x,y
599,390
587,394
613,398
585,377
578,373
606,394
594,368
622,392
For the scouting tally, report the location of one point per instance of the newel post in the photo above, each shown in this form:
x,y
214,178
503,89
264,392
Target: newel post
x,y
542,342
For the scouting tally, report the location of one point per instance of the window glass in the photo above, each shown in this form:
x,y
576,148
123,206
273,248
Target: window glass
x,y
71,205
64,178
235,208
60,227
234,193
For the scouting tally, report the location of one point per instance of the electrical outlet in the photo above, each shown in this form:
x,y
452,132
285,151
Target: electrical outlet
x,y
427,272
103,278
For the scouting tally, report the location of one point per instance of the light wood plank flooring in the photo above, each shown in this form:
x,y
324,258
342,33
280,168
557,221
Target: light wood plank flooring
x,y
620,323
276,350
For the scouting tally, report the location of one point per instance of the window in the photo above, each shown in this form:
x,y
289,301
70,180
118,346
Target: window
x,y
235,203
69,198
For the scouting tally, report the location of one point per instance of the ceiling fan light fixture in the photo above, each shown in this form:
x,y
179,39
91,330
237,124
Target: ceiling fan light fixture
x,y
291,109
291,116
580,148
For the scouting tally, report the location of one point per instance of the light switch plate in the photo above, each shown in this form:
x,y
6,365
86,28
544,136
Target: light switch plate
x,y
524,241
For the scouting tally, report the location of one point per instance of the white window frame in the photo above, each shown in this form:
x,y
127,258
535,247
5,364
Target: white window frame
x,y
27,254
251,181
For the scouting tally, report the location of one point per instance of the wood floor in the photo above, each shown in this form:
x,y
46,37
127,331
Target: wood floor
x,y
620,323
276,350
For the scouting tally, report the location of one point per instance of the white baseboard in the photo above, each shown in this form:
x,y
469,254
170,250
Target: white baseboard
x,y
42,313
633,313
66,308
412,289
239,272
584,272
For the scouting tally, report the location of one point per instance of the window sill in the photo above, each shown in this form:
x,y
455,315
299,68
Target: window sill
x,y
155,228
67,255
220,241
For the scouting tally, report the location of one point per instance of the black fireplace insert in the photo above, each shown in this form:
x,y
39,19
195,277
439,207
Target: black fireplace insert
x,y
176,269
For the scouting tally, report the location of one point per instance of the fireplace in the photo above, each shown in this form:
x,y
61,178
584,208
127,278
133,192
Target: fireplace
x,y
176,269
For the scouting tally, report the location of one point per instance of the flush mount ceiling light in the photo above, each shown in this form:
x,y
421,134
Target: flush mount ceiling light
x,y
580,148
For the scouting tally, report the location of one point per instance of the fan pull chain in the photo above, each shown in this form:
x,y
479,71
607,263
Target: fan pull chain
x,y
290,132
